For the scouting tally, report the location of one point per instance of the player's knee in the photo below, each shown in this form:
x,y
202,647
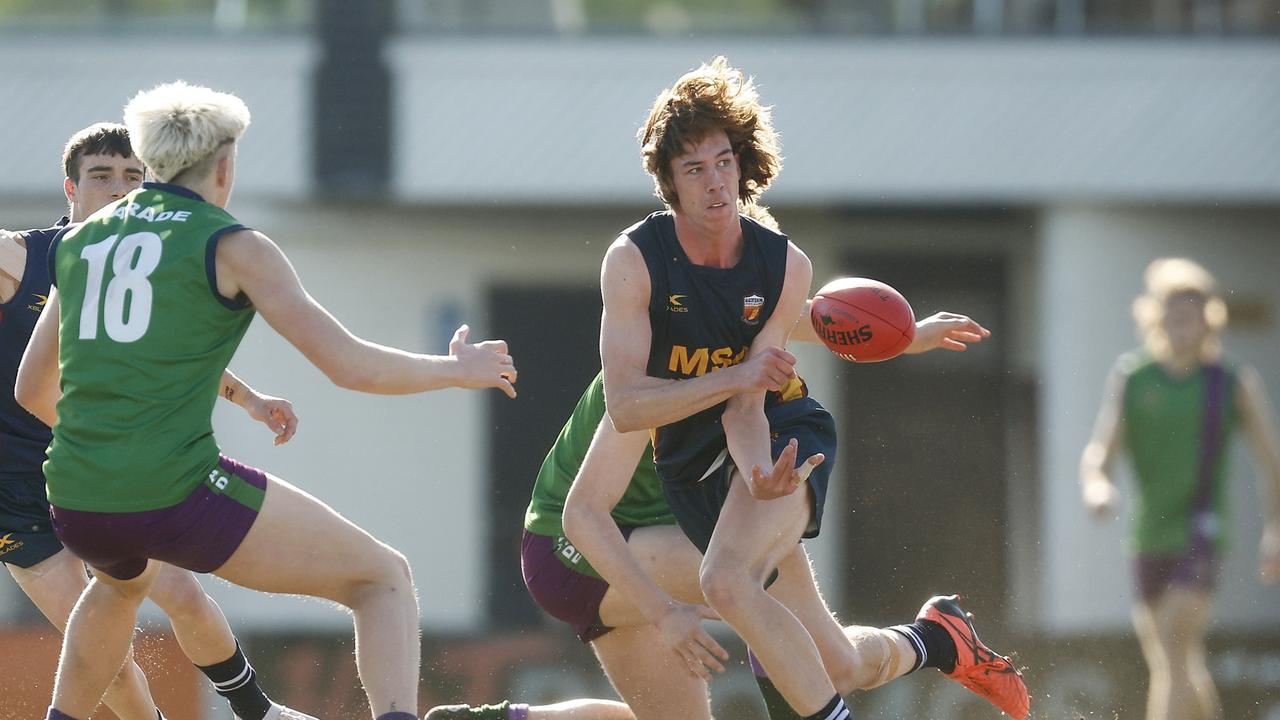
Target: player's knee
x,y
724,585
385,572
180,597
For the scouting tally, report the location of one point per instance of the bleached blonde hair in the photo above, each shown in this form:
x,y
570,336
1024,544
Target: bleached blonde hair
x,y
176,128
1166,278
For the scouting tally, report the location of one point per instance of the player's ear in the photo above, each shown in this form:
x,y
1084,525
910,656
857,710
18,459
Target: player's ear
x,y
69,189
222,170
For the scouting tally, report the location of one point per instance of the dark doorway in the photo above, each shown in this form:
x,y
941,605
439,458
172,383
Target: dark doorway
x,y
923,450
553,332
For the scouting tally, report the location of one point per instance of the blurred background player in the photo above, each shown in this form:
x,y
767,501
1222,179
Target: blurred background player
x,y
1175,405
101,168
603,554
134,473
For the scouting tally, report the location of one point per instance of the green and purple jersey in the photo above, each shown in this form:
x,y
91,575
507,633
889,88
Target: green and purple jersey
x,y
143,339
1178,432
643,503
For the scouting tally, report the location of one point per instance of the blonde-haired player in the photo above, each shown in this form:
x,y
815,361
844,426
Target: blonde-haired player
x,y
153,294
1174,405
100,168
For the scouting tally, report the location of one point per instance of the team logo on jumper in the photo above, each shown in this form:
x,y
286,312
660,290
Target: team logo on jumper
x,y
751,307
675,303
218,481
567,551
8,545
39,304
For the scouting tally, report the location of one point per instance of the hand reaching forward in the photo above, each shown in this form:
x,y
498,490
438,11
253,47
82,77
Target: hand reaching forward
x,y
483,365
785,477
946,330
770,369
681,629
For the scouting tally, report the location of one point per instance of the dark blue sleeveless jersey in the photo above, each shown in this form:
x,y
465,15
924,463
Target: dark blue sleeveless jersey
x,y
704,319
23,438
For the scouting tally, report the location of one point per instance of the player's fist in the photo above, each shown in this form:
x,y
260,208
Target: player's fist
x,y
770,369
1100,498
483,365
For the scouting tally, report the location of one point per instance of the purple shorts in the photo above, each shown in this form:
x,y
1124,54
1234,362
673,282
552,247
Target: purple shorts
x,y
1196,569
199,534
564,593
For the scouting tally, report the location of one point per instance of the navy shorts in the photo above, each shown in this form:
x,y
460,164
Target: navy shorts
x,y
198,534
26,531
697,505
1195,569
565,594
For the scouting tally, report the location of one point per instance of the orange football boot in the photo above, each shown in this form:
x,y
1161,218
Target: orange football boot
x,y
991,676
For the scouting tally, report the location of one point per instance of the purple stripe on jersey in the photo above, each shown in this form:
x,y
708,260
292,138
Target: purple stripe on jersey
x,y
198,534
1202,522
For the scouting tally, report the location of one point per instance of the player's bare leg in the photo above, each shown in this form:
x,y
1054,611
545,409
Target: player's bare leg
x,y
299,545
669,559
651,677
198,623
206,639
54,585
98,637
750,539
1171,632
855,657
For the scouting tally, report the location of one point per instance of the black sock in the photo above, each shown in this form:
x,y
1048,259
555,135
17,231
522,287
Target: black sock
x,y
774,704
933,645
835,710
235,680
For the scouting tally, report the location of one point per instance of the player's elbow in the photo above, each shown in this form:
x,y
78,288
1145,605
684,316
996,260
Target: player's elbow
x,y
351,376
624,413
576,519
627,421
35,400
25,394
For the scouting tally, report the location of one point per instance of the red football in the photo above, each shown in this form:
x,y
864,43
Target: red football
x,y
862,320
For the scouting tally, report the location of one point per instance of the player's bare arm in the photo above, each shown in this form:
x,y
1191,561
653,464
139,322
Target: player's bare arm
x,y
1098,491
1259,426
746,429
38,388
249,262
276,413
637,401
13,263
602,480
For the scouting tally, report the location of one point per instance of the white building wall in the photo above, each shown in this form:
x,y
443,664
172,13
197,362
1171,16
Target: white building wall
x,y
53,86
862,120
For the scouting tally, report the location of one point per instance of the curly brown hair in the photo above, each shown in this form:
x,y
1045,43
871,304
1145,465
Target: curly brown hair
x,y
716,96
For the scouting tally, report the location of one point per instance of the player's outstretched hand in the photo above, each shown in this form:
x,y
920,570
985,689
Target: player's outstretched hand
x,y
949,331
681,629
276,413
785,476
1269,555
483,365
771,369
